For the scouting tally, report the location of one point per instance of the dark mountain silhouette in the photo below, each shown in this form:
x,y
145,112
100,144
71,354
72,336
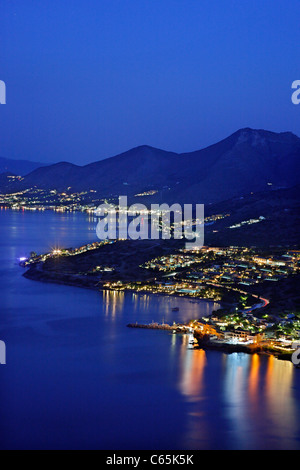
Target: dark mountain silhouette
x,y
18,167
278,211
247,161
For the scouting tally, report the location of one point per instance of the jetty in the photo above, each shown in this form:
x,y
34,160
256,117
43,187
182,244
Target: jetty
x,y
161,326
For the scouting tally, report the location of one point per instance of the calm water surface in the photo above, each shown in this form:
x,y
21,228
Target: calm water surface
x,y
76,377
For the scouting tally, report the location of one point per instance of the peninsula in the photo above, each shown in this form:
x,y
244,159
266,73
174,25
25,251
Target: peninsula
x,y
257,289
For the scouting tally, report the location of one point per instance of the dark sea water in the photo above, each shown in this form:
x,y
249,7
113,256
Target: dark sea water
x,y
77,378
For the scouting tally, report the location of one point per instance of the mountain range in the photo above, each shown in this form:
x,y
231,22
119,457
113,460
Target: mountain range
x,y
247,161
18,167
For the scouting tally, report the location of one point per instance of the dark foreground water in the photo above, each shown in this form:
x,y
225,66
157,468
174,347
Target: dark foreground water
x,y
76,377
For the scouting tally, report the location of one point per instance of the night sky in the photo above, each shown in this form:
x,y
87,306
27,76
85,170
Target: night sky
x,y
87,79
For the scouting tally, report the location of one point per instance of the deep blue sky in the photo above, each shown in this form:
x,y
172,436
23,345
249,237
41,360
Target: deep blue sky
x,y
87,79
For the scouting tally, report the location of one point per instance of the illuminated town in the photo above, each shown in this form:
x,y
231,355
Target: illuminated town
x,y
35,199
234,277
150,220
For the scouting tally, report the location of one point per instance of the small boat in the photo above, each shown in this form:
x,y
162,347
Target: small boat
x,y
175,309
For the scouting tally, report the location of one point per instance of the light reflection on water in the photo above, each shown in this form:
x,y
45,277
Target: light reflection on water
x,y
112,300
256,401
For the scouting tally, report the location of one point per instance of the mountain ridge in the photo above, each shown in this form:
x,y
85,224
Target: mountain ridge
x,y
18,167
247,160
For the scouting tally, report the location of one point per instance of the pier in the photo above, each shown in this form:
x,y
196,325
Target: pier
x,y
161,326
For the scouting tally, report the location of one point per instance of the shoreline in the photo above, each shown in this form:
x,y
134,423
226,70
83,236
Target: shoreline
x,y
240,348
72,280
205,345
35,274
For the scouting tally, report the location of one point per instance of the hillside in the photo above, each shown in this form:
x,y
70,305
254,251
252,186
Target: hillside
x,y
263,219
247,161
18,167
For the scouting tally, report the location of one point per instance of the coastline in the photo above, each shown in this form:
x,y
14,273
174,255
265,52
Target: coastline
x,y
84,282
240,348
35,274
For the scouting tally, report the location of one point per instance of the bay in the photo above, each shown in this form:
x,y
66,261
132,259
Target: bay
x,y
77,378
